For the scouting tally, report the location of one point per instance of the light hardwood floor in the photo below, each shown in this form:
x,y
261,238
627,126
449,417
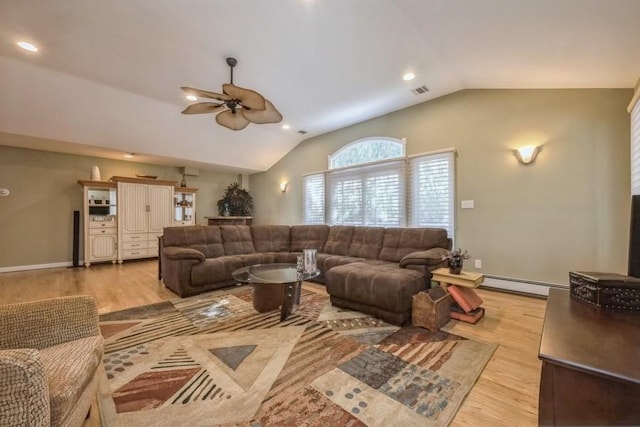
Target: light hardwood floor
x,y
506,394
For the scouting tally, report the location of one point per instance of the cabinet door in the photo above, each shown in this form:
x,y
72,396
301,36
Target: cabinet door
x,y
133,208
160,207
102,247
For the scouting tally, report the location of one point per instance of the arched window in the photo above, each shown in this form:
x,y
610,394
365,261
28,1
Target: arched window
x,y
367,150
367,184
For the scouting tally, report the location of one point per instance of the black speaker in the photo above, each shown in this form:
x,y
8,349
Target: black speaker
x,y
76,238
634,238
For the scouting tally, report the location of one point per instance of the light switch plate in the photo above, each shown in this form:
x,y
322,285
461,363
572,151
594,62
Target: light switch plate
x,y
467,204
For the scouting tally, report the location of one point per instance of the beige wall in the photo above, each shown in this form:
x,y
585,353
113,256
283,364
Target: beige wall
x,y
568,211
36,220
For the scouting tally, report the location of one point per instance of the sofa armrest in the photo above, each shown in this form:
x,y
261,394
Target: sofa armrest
x,y
49,322
430,258
24,389
178,253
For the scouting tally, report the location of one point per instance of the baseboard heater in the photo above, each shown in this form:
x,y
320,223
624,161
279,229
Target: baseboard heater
x,y
520,286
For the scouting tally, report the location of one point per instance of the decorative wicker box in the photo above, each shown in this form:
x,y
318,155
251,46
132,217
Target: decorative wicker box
x,y
431,309
610,291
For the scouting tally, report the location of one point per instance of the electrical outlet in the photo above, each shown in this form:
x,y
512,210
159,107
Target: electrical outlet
x,y
478,263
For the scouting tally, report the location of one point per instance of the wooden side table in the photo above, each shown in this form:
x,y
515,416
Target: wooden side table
x,y
460,287
464,279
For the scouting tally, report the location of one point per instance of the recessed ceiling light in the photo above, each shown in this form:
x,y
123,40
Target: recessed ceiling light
x,y
409,76
128,155
28,46
192,97
286,126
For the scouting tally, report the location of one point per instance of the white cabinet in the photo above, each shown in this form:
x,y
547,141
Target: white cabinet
x,y
184,206
146,207
99,222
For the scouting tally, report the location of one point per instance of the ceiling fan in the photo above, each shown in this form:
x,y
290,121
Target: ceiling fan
x,y
238,106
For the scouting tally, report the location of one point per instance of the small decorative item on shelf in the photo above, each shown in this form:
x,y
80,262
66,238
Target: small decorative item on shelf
x,y
95,173
183,183
455,259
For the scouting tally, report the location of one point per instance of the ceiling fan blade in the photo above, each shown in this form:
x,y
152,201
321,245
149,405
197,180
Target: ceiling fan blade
x,y
232,121
268,115
205,93
203,108
247,97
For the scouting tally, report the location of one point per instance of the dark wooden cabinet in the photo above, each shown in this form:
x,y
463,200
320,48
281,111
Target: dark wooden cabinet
x,y
590,364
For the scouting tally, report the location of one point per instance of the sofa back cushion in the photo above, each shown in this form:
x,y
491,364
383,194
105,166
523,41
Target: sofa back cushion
x,y
308,237
206,239
271,238
366,242
339,240
399,242
236,239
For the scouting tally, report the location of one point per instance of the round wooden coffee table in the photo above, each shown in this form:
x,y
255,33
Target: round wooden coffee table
x,y
274,285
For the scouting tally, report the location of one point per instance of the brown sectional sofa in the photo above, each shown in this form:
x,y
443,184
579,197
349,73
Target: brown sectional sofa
x,y
375,270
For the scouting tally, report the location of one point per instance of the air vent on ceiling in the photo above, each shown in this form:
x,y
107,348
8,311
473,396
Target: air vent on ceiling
x,y
302,132
420,90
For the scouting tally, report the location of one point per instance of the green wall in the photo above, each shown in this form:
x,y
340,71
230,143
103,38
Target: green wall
x,y
567,211
36,220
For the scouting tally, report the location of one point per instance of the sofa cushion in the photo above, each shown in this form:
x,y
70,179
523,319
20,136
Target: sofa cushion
x,y
339,240
430,257
308,237
386,286
70,368
327,262
399,242
257,258
366,242
236,239
214,270
271,238
206,239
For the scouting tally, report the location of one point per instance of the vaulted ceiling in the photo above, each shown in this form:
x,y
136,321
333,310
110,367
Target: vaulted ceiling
x,y
107,75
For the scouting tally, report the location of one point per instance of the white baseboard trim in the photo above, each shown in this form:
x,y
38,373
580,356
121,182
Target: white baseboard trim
x,y
36,266
520,286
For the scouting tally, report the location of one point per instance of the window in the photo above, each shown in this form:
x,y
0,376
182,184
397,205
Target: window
x,y
368,195
366,151
367,184
313,199
431,199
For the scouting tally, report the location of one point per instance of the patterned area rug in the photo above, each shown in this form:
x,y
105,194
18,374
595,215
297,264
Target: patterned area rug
x,y
213,360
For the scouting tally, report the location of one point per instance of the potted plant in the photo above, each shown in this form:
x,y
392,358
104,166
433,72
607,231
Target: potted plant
x,y
236,201
455,259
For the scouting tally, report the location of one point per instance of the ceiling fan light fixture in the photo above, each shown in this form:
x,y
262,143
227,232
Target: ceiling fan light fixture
x,y
243,106
231,120
286,126
191,97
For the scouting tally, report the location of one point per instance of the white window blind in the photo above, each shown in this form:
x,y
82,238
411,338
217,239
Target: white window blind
x,y
432,199
313,199
368,195
635,149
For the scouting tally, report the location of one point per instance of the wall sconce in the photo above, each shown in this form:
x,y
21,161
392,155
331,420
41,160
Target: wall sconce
x,y
527,154
283,186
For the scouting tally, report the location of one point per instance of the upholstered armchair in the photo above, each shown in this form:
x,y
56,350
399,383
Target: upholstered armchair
x,y
49,354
